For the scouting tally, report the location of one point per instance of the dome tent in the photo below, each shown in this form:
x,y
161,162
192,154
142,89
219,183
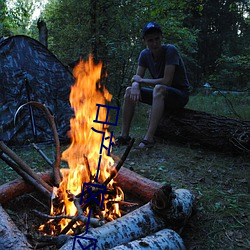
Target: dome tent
x,y
30,72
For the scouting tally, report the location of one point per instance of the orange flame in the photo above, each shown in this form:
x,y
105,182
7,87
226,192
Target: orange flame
x,y
86,143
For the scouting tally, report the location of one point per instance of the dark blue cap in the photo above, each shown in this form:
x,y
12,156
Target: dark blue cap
x,y
150,26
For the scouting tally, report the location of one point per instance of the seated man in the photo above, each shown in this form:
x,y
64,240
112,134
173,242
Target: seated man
x,y
168,89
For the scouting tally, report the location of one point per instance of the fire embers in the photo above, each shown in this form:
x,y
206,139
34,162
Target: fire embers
x,y
95,206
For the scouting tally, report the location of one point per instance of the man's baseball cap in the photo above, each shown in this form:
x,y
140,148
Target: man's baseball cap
x,y
149,27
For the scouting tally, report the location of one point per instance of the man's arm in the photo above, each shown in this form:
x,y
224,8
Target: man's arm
x,y
135,93
166,80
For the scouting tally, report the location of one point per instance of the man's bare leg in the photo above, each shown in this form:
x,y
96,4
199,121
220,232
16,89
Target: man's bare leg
x,y
156,113
127,114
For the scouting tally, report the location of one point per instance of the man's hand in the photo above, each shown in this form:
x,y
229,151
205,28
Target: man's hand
x,y
135,93
136,78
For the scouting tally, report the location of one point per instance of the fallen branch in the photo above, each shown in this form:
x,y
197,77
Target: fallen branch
x,y
26,176
212,131
23,165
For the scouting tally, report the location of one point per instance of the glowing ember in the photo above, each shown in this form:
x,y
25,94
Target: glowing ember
x,y
83,154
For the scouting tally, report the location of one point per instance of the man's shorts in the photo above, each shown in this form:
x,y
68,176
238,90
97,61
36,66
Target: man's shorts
x,y
175,99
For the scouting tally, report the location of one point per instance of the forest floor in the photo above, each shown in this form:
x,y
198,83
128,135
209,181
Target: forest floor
x,y
219,180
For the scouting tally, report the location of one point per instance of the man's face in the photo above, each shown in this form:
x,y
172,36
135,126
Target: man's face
x,y
153,40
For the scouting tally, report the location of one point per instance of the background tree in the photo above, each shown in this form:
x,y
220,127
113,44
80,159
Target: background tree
x,y
111,30
4,20
212,35
223,32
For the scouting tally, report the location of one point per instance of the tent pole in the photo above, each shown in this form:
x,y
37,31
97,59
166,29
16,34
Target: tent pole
x,y
33,125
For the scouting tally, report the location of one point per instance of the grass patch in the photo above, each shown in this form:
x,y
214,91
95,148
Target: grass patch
x,y
233,106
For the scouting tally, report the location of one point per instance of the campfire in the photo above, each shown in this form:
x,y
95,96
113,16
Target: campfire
x,y
87,198
87,163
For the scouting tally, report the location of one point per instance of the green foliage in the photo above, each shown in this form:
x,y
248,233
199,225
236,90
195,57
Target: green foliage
x,y
233,72
212,36
111,30
20,16
4,19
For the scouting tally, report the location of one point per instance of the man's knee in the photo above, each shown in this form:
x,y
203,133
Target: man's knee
x,y
127,92
159,91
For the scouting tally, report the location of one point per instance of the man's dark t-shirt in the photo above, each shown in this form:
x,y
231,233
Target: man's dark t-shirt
x,y
171,56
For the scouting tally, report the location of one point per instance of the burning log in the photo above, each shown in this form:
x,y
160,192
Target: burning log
x,y
165,210
10,236
163,239
216,132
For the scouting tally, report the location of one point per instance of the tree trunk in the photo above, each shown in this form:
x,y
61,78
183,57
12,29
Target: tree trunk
x,y
10,237
43,32
212,131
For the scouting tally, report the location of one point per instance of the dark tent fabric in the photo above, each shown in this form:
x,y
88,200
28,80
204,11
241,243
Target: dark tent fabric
x,y
29,71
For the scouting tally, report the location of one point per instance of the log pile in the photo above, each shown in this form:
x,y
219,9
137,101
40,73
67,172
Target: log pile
x,y
212,131
163,208
167,209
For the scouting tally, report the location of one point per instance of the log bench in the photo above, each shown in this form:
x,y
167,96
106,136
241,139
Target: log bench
x,y
211,131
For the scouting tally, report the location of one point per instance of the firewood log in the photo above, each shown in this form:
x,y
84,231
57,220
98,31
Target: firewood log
x,y
161,240
131,182
18,187
137,185
10,237
150,218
